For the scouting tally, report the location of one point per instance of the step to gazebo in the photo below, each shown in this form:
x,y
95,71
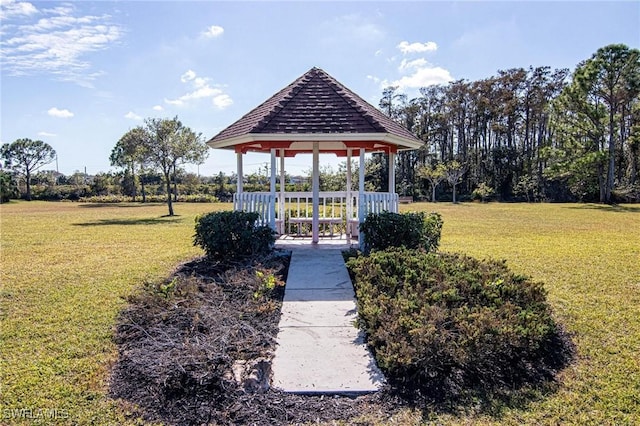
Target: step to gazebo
x,y
320,350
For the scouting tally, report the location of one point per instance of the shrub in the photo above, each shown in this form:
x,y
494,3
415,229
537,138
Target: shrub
x,y
197,198
483,193
8,187
229,235
445,325
106,199
626,194
59,192
410,230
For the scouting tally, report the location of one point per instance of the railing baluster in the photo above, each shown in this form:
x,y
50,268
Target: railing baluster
x,y
333,205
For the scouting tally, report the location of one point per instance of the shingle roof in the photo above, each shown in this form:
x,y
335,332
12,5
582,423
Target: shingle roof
x,y
314,104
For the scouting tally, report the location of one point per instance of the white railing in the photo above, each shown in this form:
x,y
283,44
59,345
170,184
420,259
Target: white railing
x,y
336,211
262,203
332,204
377,202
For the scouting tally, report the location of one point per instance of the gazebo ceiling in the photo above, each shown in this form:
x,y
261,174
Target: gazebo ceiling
x,y
315,108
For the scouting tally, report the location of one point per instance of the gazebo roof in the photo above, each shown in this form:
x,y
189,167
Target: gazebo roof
x,y
315,108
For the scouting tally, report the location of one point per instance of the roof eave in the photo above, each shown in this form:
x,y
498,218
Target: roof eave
x,y
401,143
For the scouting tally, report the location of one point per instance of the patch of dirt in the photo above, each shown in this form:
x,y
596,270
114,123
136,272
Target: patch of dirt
x,y
196,349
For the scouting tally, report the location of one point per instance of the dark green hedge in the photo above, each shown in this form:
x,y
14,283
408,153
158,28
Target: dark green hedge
x,y
444,324
410,230
230,235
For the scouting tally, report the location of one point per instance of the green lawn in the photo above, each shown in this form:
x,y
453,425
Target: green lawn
x,y
66,268
589,258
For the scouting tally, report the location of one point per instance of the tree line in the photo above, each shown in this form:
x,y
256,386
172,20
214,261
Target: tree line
x,y
532,133
159,146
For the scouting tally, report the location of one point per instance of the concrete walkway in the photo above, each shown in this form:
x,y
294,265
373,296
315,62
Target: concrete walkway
x,y
319,348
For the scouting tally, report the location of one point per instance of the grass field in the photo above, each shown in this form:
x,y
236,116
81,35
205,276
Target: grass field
x,y
66,268
589,258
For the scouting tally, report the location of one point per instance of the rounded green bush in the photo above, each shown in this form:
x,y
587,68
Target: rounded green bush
x,y
415,230
230,235
445,324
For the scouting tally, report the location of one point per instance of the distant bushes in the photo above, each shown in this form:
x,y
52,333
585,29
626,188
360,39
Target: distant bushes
x,y
194,198
111,194
8,187
445,325
231,235
410,230
627,194
59,192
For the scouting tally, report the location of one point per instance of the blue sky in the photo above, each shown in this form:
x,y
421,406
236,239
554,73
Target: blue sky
x,y
78,75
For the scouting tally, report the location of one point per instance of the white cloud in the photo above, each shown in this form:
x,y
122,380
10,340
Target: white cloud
x,y
132,116
406,47
200,82
201,88
422,77
213,31
177,102
373,78
57,43
158,108
47,134
60,113
414,73
415,64
222,101
187,76
11,8
201,92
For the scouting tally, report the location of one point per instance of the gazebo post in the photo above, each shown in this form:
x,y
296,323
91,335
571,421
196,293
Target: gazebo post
x,y
349,211
392,177
238,206
315,184
361,202
272,188
282,190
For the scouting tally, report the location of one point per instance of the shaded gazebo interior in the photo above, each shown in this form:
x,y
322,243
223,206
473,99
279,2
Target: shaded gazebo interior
x,y
315,114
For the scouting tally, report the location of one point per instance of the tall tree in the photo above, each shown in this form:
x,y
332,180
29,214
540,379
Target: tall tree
x,y
604,86
633,145
453,173
433,174
168,143
188,147
25,156
128,152
391,104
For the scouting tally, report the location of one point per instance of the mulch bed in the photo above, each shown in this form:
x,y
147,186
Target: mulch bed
x,y
180,342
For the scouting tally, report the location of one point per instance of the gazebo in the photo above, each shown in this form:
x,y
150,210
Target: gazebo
x,y
315,115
